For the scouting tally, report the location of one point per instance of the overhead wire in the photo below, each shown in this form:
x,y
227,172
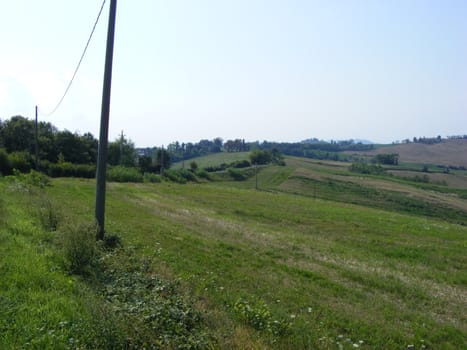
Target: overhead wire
x,y
79,63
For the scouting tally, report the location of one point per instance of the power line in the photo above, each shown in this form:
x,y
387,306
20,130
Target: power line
x,y
79,63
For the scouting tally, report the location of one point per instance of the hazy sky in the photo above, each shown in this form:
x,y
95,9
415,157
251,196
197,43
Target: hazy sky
x,y
272,70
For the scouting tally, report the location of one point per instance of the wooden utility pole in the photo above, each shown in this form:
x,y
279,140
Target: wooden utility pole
x,y
104,128
36,136
256,175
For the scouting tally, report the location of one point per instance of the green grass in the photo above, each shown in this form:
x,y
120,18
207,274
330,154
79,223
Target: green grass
x,y
264,269
387,279
214,159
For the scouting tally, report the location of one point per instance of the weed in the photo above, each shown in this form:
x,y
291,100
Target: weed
x,y
79,247
27,182
259,317
157,315
48,213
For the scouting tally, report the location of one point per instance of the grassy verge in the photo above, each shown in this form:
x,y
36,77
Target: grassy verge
x,y
59,289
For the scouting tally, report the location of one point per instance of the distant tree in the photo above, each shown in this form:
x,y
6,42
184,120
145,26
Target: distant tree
x,y
162,159
122,152
260,157
388,159
193,166
217,145
145,164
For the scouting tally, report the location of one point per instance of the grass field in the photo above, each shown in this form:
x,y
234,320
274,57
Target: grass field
x,y
303,263
214,159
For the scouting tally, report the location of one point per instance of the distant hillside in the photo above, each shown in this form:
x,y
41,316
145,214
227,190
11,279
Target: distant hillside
x,y
449,152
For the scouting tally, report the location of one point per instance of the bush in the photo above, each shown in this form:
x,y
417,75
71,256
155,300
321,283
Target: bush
x,y
203,174
80,248
48,213
236,174
124,174
5,166
30,180
188,175
174,176
66,169
150,177
21,161
240,164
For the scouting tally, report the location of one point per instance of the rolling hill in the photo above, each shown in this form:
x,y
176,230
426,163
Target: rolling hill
x,y
317,258
447,153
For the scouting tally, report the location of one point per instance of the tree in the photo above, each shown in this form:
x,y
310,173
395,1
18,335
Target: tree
x,y
388,159
162,159
76,148
17,134
122,152
145,164
193,166
260,157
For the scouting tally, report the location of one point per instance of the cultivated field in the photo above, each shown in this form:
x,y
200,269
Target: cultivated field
x,y
316,258
448,152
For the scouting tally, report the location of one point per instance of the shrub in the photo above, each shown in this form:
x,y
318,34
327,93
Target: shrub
x,y
124,174
21,161
193,166
150,177
236,174
174,176
203,174
32,179
5,166
66,169
188,175
112,241
48,213
240,164
80,248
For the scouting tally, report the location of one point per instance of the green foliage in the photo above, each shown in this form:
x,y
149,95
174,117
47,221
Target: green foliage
x,y
260,157
67,169
79,247
152,178
48,213
17,135
240,164
193,166
203,174
162,159
21,161
175,176
259,317
121,152
5,166
28,181
387,159
236,174
124,174
157,315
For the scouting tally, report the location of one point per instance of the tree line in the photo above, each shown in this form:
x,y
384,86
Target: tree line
x,y
66,153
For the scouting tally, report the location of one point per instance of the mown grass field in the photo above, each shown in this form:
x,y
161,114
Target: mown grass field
x,y
301,263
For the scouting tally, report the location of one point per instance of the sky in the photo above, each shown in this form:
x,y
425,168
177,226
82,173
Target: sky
x,y
276,70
